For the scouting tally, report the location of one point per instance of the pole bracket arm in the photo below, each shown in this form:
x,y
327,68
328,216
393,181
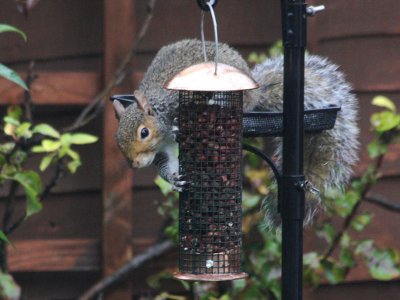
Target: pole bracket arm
x,y
290,187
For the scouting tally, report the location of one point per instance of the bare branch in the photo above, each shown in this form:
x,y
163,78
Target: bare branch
x,y
96,106
383,202
104,284
30,78
58,174
7,215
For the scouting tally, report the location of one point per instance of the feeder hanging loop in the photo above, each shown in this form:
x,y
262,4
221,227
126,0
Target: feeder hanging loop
x,y
215,25
203,4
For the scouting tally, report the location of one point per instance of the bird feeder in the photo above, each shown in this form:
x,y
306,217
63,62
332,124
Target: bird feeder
x,y
210,159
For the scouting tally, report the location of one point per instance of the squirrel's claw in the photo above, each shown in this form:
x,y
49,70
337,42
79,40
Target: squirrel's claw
x,y
175,130
177,183
175,133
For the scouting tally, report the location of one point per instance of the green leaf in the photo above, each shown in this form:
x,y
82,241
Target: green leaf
x,y
6,148
365,247
346,257
383,265
225,297
4,238
78,138
46,129
15,112
9,28
384,121
345,241
23,130
18,157
250,201
8,170
12,76
32,185
50,145
376,149
156,280
333,272
172,232
163,185
312,260
46,161
33,204
344,204
73,154
73,166
276,49
327,232
311,277
361,221
38,149
385,102
9,289
11,120
238,285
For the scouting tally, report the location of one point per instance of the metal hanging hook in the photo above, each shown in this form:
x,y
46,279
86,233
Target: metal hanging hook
x,y
210,5
203,4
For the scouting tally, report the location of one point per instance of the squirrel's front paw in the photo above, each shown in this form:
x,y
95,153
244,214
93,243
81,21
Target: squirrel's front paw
x,y
177,182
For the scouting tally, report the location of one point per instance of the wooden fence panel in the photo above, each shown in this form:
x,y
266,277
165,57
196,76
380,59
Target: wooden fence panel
x,y
56,29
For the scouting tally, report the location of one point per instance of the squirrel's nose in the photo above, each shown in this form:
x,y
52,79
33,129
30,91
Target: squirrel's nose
x,y
135,164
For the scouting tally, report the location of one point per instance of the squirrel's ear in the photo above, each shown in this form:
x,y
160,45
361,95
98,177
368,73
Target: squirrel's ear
x,y
119,109
142,102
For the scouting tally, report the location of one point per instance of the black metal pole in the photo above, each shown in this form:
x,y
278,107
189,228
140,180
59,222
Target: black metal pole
x,y
291,193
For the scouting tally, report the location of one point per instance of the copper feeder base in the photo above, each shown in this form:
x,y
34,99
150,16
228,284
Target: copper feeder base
x,y
209,277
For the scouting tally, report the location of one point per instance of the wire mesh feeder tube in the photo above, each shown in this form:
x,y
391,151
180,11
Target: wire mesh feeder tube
x,y
210,150
210,157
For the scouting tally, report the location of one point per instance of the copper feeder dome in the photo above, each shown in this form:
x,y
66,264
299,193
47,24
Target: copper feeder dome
x,y
203,77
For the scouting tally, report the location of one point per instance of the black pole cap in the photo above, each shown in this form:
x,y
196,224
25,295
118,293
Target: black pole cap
x,y
203,4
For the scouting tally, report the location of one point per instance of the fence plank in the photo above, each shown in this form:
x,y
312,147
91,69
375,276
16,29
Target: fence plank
x,y
59,88
119,29
54,255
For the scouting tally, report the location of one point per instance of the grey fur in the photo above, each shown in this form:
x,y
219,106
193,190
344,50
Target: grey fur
x,y
329,156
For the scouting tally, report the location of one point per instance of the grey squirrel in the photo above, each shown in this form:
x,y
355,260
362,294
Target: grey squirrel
x,y
145,133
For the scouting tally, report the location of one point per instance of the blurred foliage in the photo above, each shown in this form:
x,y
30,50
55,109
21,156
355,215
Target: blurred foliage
x,y
9,289
262,248
20,140
275,50
5,71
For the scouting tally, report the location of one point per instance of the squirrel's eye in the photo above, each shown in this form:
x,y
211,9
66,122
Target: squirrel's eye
x,y
144,133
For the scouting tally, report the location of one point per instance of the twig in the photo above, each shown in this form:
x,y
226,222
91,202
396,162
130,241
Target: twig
x,y
353,212
96,106
382,202
150,254
30,78
58,174
15,225
8,212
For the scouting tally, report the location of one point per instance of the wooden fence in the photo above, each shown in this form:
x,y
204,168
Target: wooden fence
x,y
105,215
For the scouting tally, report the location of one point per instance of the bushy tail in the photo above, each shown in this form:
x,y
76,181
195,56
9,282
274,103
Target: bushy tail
x,y
328,156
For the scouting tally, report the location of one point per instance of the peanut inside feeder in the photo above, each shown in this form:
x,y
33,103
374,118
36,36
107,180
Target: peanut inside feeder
x,y
210,158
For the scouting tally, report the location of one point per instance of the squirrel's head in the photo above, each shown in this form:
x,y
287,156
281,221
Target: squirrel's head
x,y
138,134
